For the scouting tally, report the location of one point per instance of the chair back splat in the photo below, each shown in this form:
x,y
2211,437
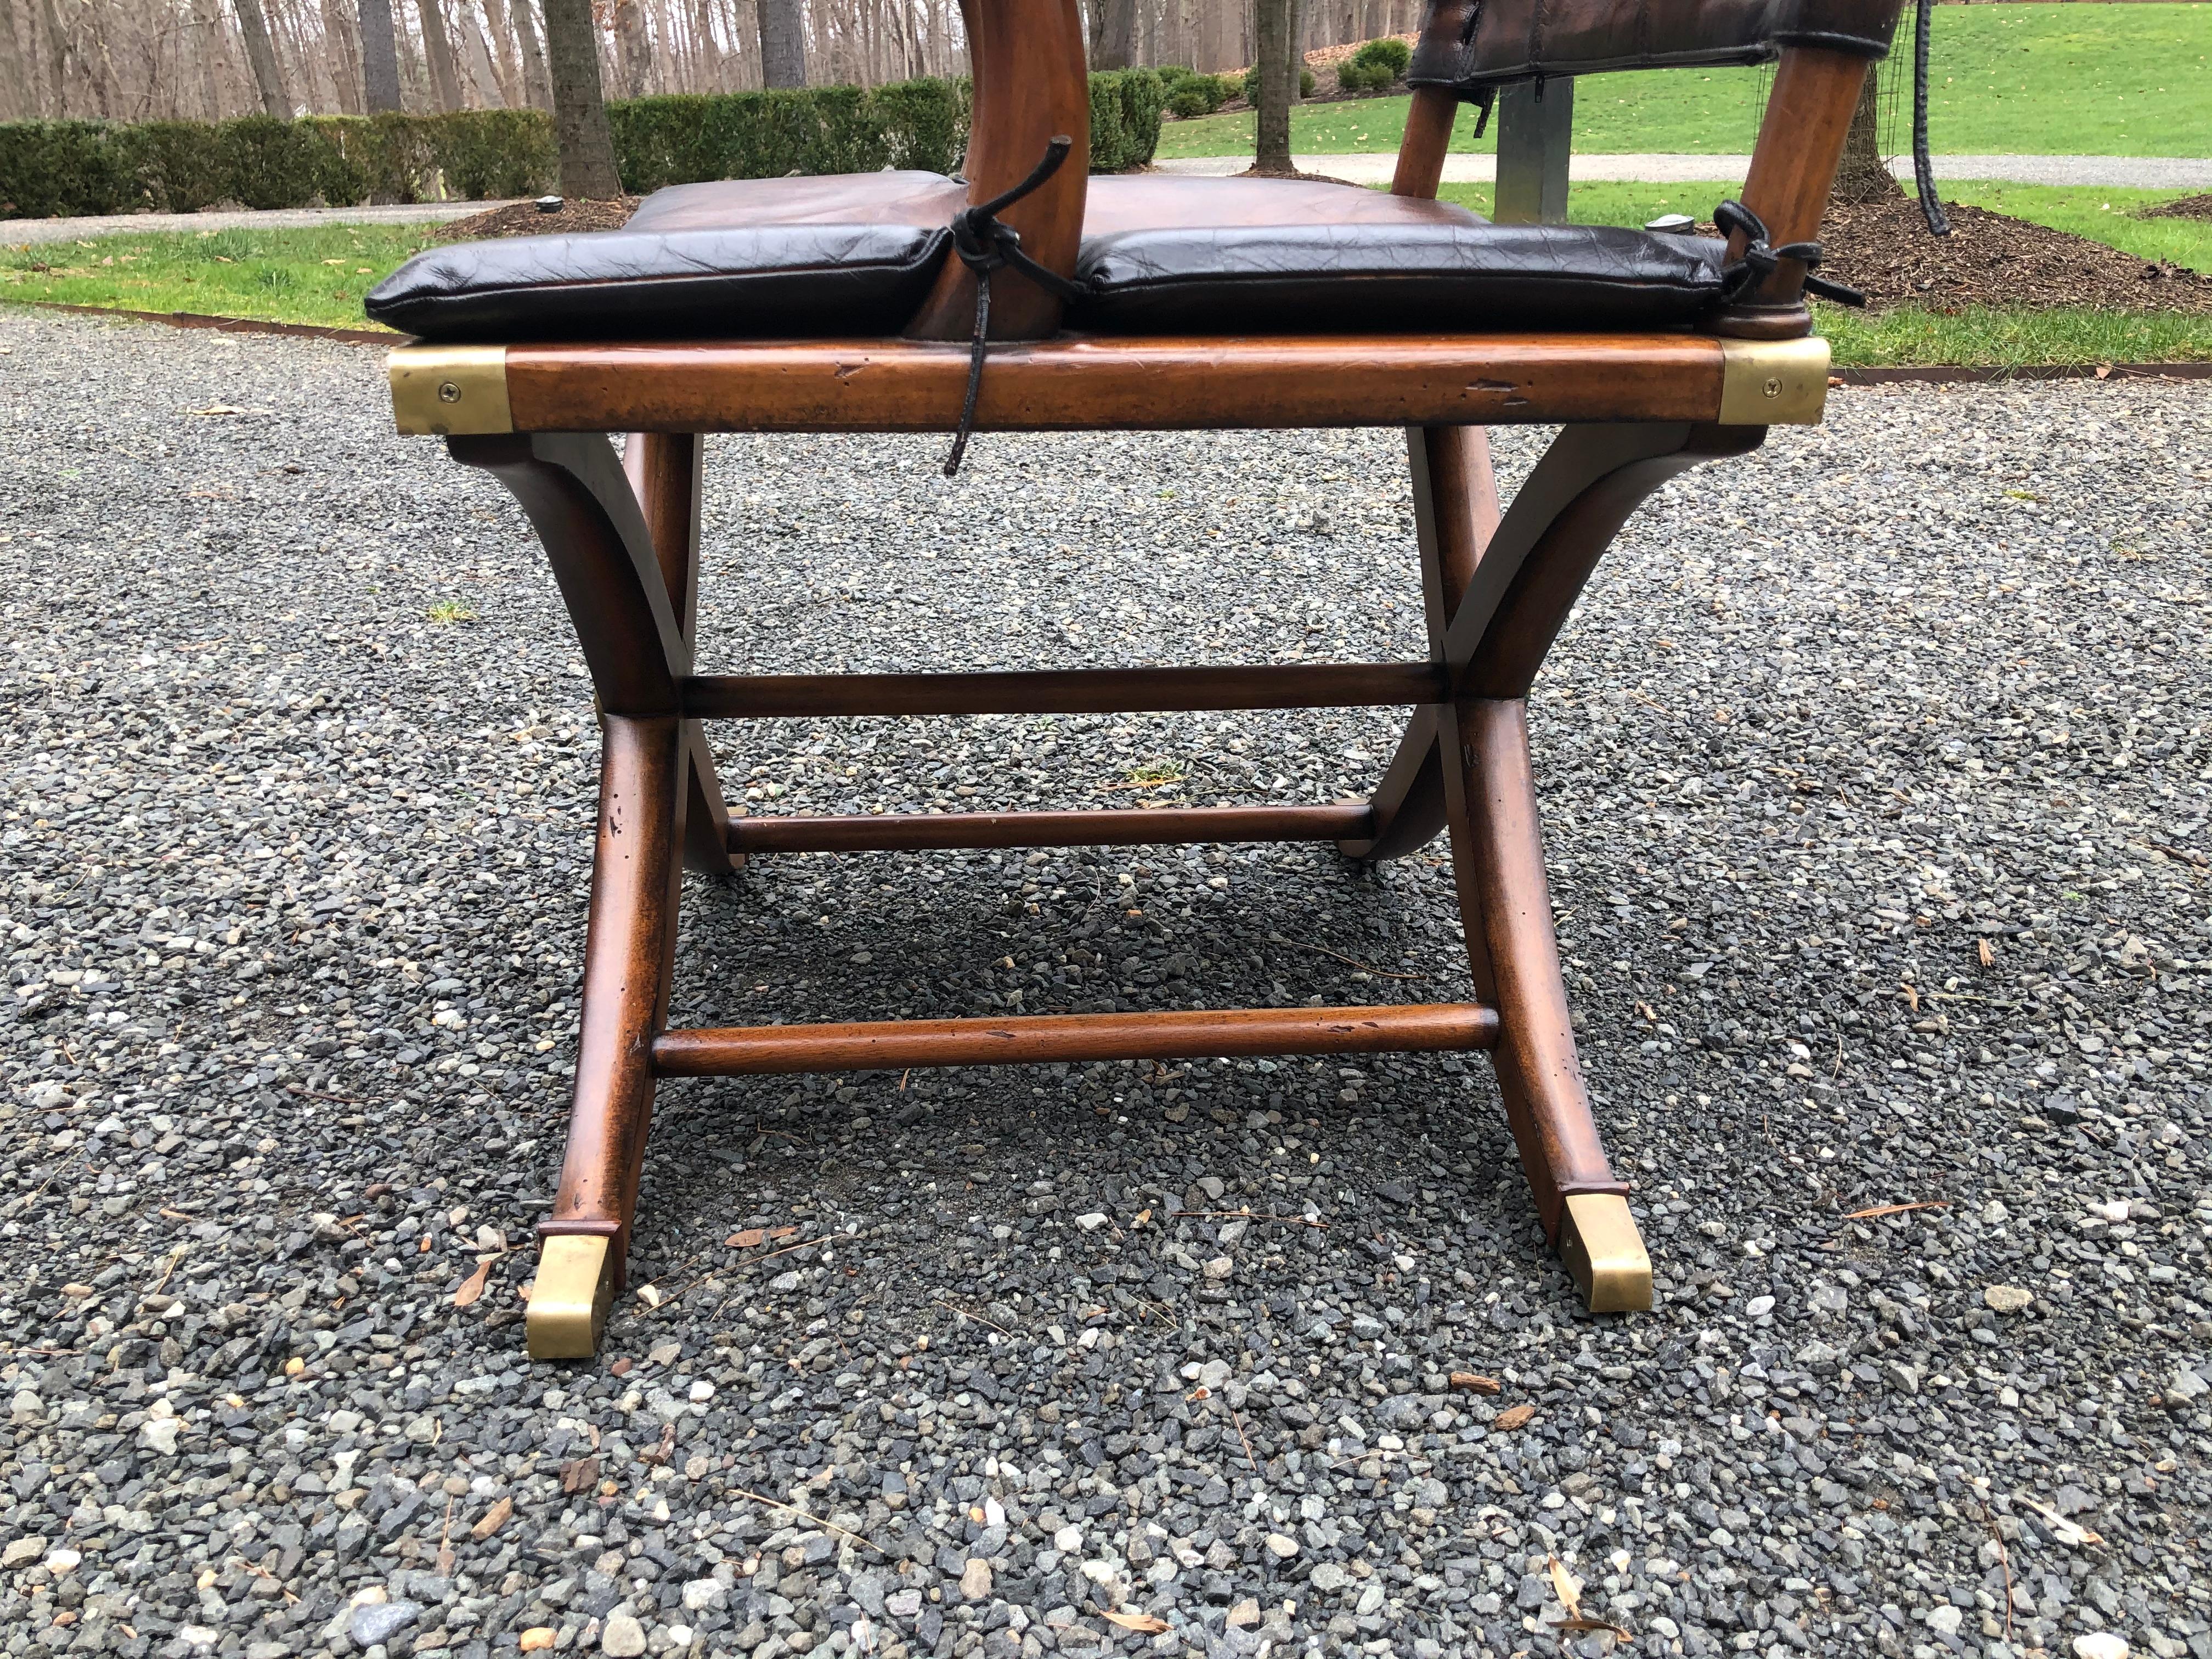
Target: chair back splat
x,y
1030,87
850,305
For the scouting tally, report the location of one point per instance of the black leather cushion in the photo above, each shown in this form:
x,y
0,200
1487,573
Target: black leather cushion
x,y
1232,256
848,254
854,256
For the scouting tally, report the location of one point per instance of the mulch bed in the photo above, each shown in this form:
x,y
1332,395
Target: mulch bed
x,y
1882,248
2189,207
523,219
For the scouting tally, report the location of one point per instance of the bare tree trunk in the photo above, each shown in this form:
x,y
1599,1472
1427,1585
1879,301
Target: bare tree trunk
x,y
512,91
261,55
783,42
207,47
344,57
579,111
1275,29
636,48
19,94
1116,40
535,81
437,52
1862,175
379,56
483,78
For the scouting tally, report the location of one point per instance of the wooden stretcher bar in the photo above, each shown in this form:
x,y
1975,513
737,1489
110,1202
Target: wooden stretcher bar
x,y
1043,1039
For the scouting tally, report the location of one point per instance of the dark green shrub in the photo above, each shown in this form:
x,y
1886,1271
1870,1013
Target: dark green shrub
x,y
1144,101
487,154
1189,93
1248,89
1125,118
376,158
685,137
49,167
1389,54
271,163
182,165
926,121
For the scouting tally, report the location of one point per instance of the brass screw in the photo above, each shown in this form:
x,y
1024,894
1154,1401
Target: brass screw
x,y
1773,387
450,393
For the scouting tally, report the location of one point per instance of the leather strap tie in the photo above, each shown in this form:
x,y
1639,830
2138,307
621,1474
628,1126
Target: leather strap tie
x,y
985,246
1760,258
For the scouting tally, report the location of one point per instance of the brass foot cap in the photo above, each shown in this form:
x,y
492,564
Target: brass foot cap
x,y
1598,1242
568,1303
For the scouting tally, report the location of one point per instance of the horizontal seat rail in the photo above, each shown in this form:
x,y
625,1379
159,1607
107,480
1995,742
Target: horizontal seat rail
x,y
1103,383
1038,1039
1065,691
915,832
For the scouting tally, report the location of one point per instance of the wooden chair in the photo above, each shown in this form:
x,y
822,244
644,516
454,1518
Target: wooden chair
x,y
864,305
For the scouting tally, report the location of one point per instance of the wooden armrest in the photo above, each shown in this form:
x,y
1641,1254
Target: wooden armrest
x,y
1110,384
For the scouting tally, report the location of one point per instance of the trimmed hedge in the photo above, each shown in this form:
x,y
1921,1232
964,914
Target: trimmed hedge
x,y
55,168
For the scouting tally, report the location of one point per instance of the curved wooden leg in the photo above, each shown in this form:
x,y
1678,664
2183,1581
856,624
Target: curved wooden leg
x,y
1505,904
629,952
1455,513
1512,607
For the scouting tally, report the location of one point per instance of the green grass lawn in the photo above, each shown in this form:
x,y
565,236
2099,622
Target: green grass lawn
x,y
316,275
1909,335
319,275
2111,217
2018,80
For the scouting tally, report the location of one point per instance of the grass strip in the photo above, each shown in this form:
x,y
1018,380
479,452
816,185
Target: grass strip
x,y
2008,79
317,275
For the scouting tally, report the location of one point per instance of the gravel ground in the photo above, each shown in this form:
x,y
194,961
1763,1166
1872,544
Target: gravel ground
x,y
1877,775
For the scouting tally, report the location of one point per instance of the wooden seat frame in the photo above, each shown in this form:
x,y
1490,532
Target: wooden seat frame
x,y
623,538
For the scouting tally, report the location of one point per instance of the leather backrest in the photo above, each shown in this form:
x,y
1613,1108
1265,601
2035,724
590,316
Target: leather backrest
x,y
1468,45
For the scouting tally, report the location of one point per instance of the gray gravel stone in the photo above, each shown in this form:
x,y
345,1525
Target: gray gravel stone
x,y
292,895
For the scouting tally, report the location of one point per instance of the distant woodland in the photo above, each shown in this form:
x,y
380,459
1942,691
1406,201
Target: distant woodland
x,y
139,60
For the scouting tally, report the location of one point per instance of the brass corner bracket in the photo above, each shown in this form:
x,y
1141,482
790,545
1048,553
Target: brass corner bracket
x,y
443,390
1773,382
1601,1248
568,1303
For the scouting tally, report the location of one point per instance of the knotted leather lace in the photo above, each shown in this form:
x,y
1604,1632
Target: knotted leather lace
x,y
985,246
1761,257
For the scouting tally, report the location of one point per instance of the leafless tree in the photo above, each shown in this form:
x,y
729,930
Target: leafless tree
x,y
579,111
209,59
1275,27
782,25
380,56
262,57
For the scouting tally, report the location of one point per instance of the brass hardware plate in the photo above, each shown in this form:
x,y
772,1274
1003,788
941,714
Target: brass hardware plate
x,y
1598,1242
1773,382
569,1301
438,389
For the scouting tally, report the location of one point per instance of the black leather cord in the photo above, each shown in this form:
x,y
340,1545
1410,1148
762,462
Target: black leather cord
x,y
1923,170
984,245
1759,257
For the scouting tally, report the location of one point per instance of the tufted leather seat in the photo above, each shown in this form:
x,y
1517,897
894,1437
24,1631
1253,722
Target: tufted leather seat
x,y
854,255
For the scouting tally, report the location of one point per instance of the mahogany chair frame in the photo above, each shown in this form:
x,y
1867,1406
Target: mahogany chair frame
x,y
623,538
